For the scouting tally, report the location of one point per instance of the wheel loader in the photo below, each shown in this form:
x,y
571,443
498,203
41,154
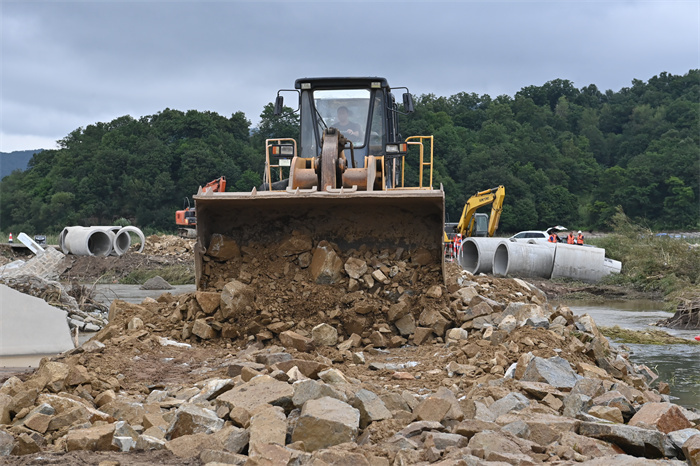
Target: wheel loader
x,y
342,181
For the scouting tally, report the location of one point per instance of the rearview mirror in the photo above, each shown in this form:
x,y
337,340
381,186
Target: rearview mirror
x,y
279,104
407,102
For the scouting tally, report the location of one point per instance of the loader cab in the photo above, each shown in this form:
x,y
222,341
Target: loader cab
x,y
363,109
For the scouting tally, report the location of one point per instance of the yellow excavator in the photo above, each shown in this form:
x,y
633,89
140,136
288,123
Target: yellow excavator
x,y
472,223
343,181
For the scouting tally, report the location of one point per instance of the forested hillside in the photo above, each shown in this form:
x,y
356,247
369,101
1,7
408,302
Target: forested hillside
x,y
17,160
566,156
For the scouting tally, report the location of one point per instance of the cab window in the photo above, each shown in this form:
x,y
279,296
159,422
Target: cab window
x,y
344,109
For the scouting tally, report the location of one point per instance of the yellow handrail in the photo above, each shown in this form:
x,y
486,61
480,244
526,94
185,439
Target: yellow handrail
x,y
418,140
268,144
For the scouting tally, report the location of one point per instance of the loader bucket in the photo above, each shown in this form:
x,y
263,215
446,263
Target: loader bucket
x,y
267,225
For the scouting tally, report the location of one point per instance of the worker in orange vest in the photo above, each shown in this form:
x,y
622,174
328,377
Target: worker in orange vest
x,y
570,238
552,238
579,238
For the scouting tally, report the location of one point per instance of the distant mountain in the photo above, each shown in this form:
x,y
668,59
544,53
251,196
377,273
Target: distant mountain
x,y
17,160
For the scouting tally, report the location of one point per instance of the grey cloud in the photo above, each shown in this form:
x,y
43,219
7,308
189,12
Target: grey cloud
x,y
69,64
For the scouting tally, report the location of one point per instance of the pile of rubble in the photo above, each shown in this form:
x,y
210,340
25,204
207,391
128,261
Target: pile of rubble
x,y
84,313
167,245
403,370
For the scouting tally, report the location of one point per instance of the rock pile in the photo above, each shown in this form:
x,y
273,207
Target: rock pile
x,y
166,245
84,313
480,370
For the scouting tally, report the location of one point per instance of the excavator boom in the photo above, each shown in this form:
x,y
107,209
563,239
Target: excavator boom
x,y
494,196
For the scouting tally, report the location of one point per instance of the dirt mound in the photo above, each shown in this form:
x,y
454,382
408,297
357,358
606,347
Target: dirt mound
x,y
159,252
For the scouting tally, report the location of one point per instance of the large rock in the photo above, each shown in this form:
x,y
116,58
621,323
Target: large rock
x,y
326,266
191,419
296,341
294,245
7,443
666,417
371,407
513,401
208,300
98,438
325,422
493,442
235,297
268,425
260,390
324,335
355,268
156,283
616,399
691,450
433,408
555,371
223,248
305,390
633,440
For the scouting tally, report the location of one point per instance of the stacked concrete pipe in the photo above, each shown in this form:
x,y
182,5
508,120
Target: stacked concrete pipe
x,y
477,254
584,263
526,260
98,241
535,259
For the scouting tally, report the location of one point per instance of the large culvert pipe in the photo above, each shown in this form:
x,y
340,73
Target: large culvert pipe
x,y
477,254
85,241
122,239
516,259
585,263
137,232
62,240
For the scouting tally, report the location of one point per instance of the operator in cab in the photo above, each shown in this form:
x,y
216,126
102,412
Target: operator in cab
x,y
347,128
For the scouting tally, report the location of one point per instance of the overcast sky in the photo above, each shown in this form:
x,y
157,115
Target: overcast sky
x,y
69,64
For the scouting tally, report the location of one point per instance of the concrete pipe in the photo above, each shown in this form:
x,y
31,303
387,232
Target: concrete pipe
x,y
523,259
137,232
62,240
86,241
122,239
584,263
477,254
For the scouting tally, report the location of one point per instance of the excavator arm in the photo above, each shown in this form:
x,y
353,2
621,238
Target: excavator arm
x,y
493,196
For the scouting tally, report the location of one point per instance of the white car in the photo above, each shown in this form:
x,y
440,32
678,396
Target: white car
x,y
536,235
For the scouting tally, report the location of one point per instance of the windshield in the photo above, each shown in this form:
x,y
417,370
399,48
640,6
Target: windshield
x,y
344,109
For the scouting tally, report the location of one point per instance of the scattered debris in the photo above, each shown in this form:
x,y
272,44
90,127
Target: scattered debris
x,y
489,371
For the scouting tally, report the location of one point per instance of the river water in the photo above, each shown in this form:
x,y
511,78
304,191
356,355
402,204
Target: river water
x,y
677,365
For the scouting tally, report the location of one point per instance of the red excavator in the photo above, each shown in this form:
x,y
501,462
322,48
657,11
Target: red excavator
x,y
186,219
